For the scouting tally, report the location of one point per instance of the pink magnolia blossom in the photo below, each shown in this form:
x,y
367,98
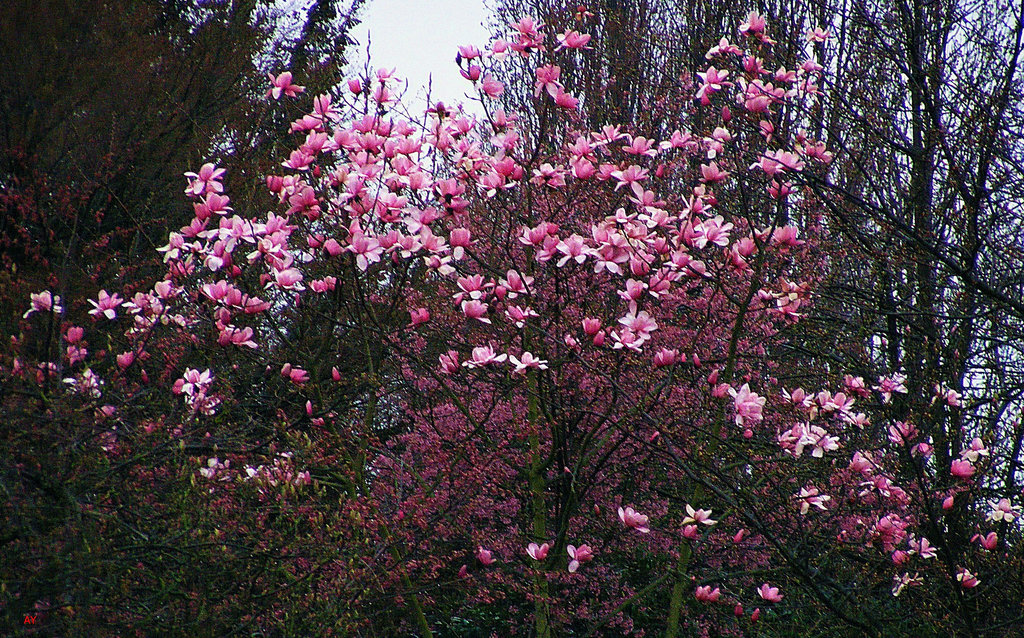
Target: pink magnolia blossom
x,y
810,496
948,396
888,385
705,594
961,469
548,175
484,355
106,305
125,359
712,174
1003,511
449,362
974,451
666,357
232,335
491,86
769,593
632,518
484,556
518,315
468,51
572,40
817,34
989,541
193,381
591,326
475,309
753,25
282,85
579,555
713,80
698,516
207,180
526,362
547,80
418,316
966,579
538,552
566,100
87,383
632,175
298,376
367,250
288,279
44,302
723,47
573,248
76,354
748,405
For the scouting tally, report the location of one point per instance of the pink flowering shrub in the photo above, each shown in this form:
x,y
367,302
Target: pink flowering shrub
x,y
522,377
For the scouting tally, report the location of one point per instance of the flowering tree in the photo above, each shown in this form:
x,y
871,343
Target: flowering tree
x,y
470,375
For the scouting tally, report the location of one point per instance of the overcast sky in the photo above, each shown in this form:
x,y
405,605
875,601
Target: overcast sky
x,y
420,38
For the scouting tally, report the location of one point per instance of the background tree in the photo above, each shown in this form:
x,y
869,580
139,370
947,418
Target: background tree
x,y
112,103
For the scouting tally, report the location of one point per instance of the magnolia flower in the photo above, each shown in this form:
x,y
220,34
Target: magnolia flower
x,y
87,383
900,581
713,80
572,40
988,541
817,34
106,305
475,309
753,25
538,552
665,357
748,405
921,547
282,85
1002,511
527,361
809,496
193,381
207,180
769,593
705,594
298,376
976,450
484,355
484,556
418,316
961,469
578,555
698,516
888,385
214,465
519,315
949,396
449,362
967,579
632,518
44,302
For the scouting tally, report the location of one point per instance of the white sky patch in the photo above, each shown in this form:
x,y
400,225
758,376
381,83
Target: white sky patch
x,y
420,38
